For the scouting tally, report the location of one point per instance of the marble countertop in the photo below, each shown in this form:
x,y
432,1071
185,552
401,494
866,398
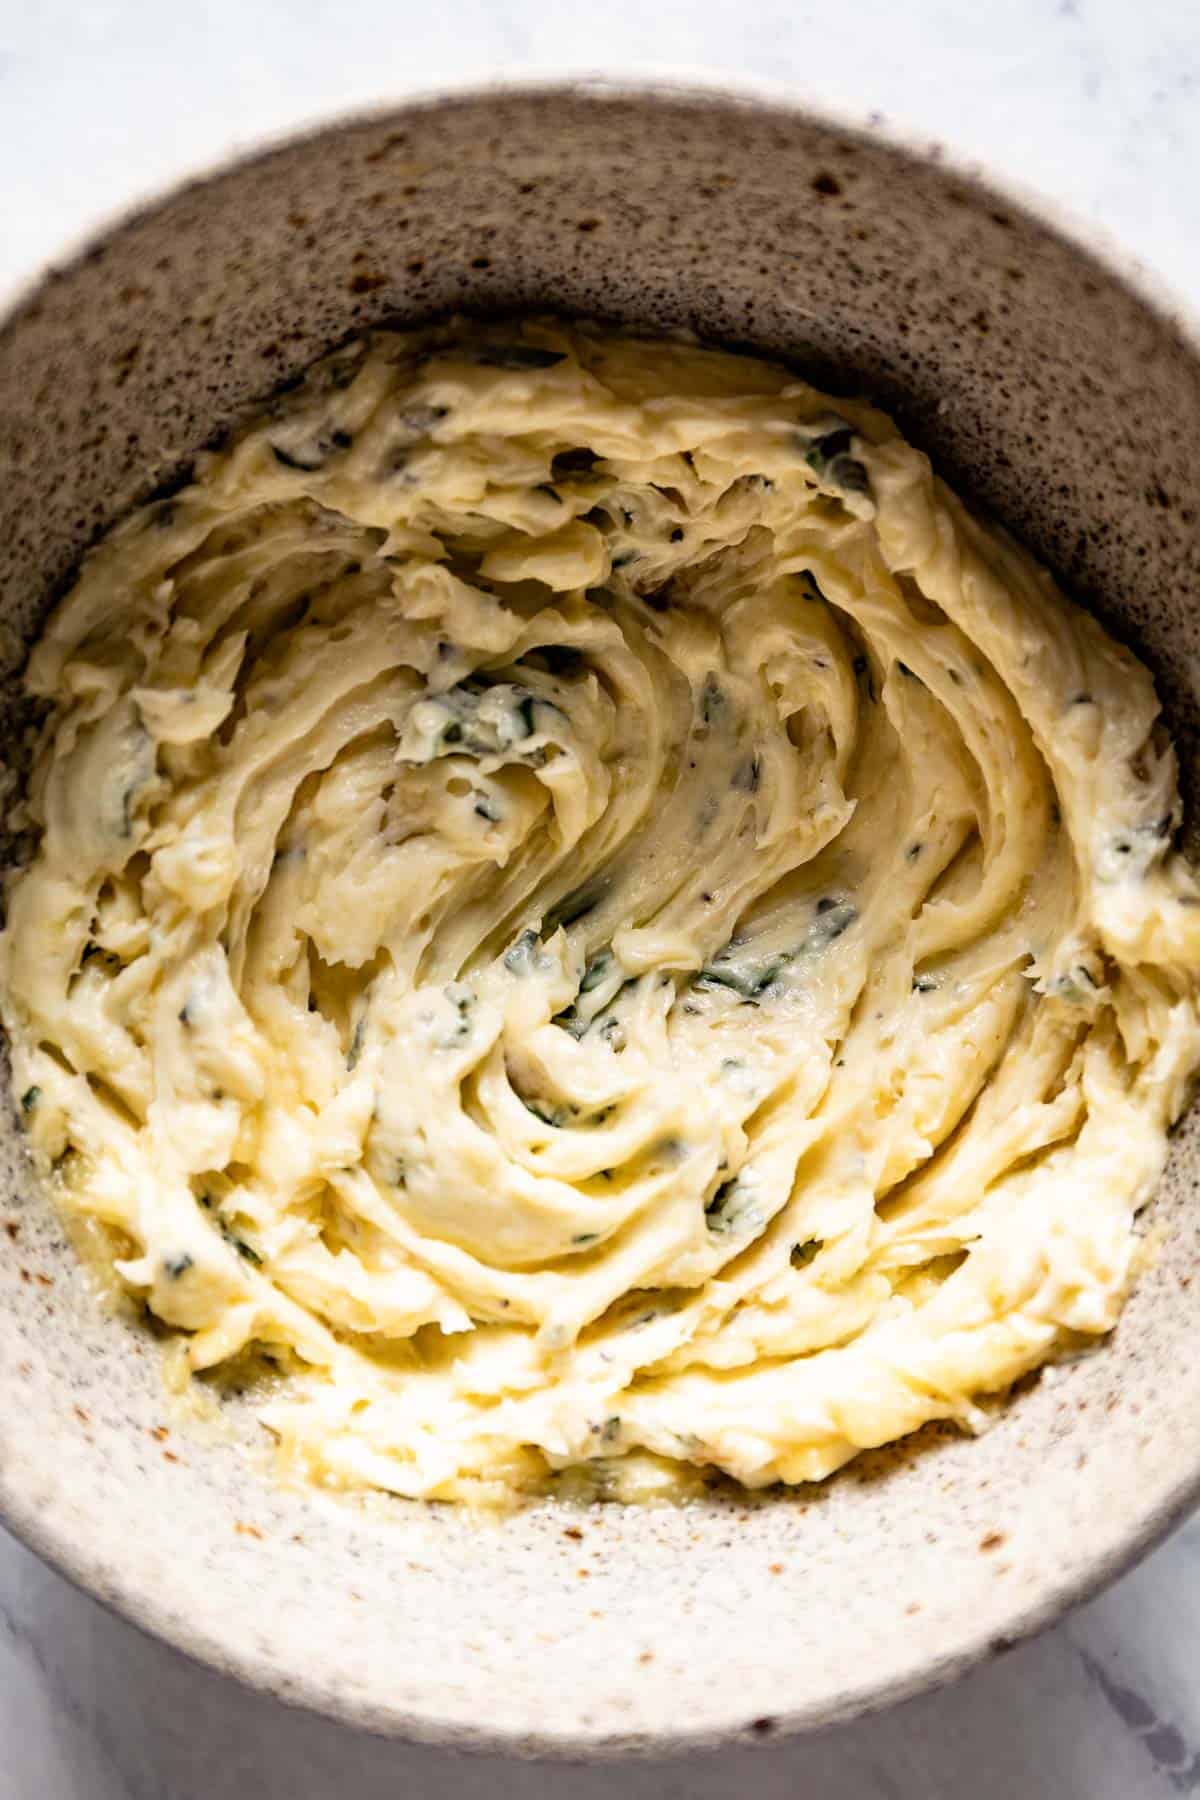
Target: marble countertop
x,y
1090,102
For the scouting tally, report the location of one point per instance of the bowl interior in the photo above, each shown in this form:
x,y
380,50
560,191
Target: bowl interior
x,y
1047,390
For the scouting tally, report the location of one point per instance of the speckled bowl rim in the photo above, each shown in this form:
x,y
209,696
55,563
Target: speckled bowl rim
x,y
120,1593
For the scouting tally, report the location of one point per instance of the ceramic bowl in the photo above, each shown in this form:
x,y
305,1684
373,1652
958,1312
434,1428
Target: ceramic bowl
x,y
1049,387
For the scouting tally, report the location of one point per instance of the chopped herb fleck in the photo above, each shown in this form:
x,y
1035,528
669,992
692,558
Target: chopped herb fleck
x,y
462,1000
30,1098
554,1116
712,700
749,978
730,1208
832,921
356,1043
827,456
522,958
597,970
802,1254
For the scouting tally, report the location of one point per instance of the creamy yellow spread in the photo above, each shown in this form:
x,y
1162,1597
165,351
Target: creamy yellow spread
x,y
585,901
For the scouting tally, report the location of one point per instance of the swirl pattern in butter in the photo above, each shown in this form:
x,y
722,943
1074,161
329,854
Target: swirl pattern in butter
x,y
585,903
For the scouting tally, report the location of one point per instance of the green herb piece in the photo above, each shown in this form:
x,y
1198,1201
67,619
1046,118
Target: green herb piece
x,y
30,1098
1077,987
462,1000
474,718
554,1116
597,970
828,457
237,1243
713,700
833,917
747,976
521,958
727,1209
802,1254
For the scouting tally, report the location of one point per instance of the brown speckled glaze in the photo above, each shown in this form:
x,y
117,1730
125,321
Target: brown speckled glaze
x,y
1046,388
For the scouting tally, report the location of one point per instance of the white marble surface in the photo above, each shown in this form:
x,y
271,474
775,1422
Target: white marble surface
x,y
1094,103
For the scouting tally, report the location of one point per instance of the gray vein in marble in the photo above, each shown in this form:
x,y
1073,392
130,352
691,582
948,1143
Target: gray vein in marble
x,y
1163,1742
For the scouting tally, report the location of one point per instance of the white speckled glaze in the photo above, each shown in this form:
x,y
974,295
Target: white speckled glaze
x,y
1046,387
